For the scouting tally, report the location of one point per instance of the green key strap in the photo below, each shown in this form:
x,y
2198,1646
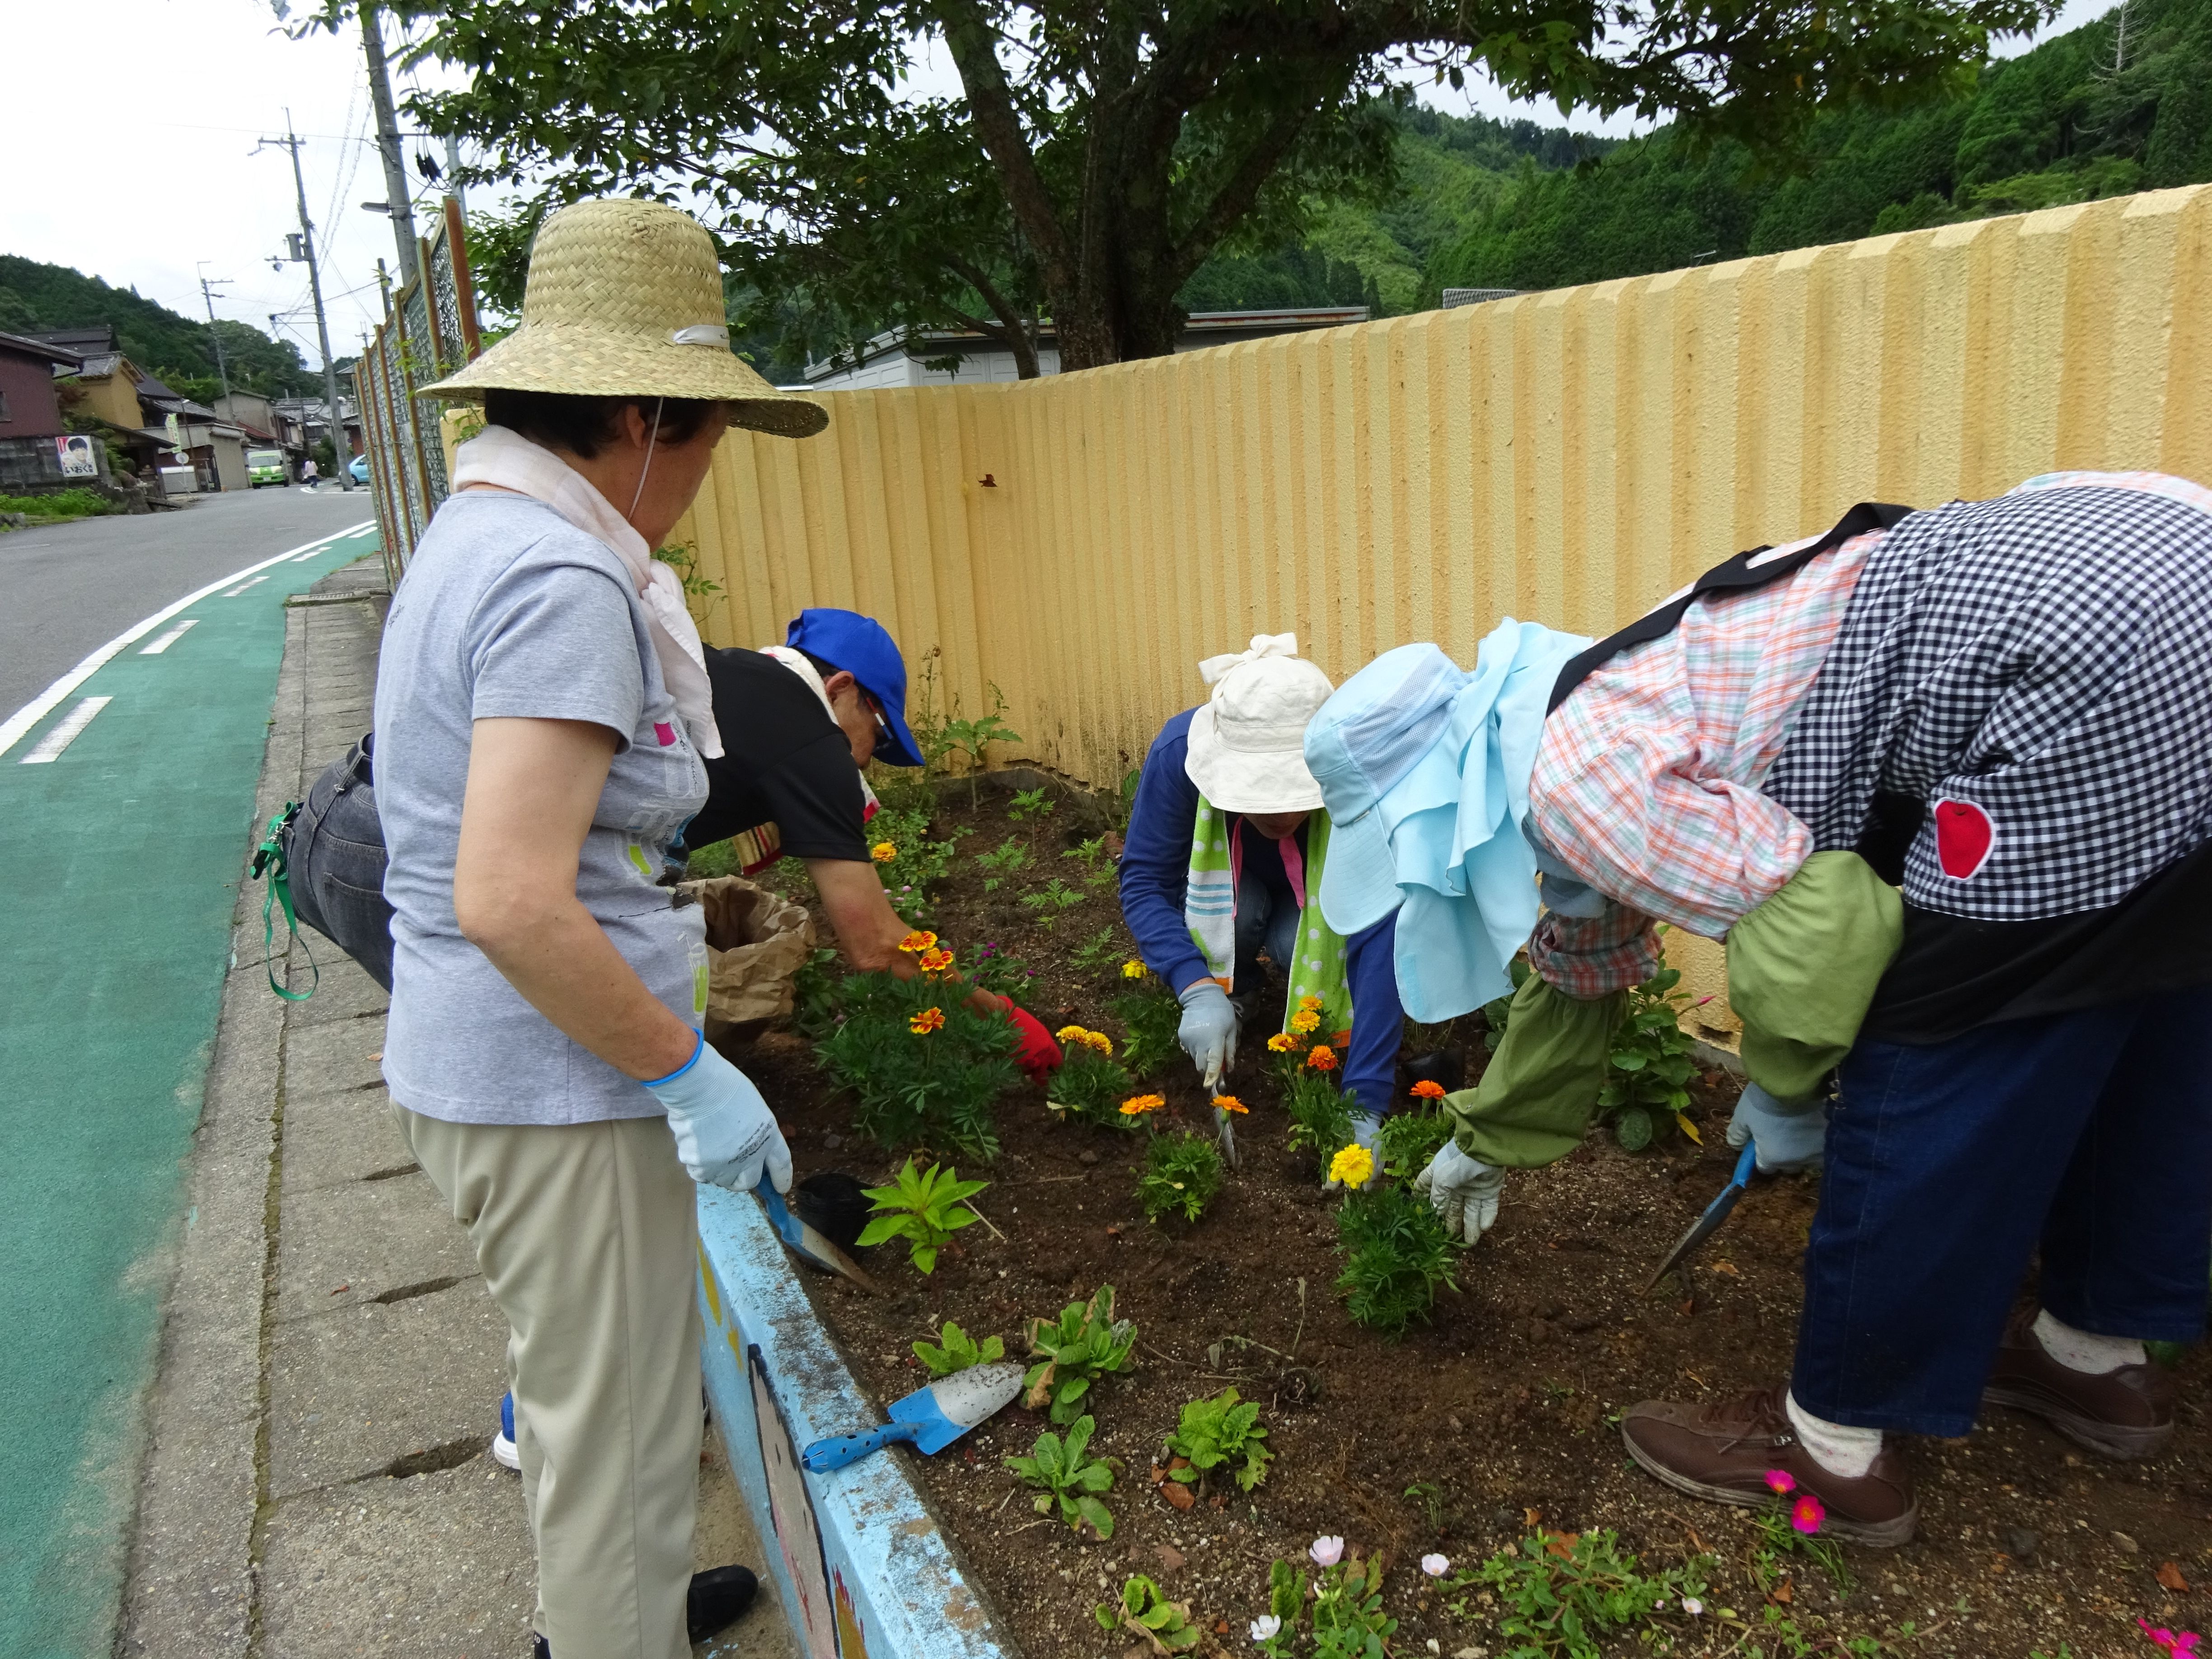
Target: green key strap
x,y
269,860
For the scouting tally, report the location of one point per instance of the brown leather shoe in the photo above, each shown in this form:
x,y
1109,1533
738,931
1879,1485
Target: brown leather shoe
x,y
1724,1451
2126,1414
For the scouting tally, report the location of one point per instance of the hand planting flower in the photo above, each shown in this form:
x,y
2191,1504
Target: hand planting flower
x,y
1138,1105
1427,1089
1132,968
1282,1042
1321,1058
1305,1020
928,1020
1807,1514
1436,1565
1352,1166
1231,1103
882,852
1266,1627
936,961
915,944
1781,1482
1327,1550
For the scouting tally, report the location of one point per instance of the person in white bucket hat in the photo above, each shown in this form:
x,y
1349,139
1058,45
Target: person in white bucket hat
x,y
1226,848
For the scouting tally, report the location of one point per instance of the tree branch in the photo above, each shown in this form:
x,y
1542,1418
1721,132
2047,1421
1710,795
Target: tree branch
x,y
1235,198
1013,331
971,39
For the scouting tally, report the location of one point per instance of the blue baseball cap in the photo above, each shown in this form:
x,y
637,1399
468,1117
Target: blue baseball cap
x,y
861,647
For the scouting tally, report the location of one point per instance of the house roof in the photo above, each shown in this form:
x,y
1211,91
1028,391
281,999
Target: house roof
x,y
98,366
1199,328
23,345
85,342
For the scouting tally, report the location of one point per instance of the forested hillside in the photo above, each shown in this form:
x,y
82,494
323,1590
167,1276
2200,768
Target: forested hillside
x,y
2123,104
36,297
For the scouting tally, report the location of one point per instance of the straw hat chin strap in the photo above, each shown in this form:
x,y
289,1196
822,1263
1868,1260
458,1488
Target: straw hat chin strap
x,y
652,434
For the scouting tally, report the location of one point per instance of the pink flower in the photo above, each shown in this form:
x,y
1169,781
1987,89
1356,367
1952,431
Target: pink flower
x,y
2169,1642
1779,1481
1328,1550
1807,1513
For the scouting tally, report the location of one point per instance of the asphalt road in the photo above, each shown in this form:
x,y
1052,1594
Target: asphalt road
x,y
72,588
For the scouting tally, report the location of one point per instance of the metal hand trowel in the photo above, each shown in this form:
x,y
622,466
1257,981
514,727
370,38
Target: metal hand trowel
x,y
931,1418
1715,1212
805,1243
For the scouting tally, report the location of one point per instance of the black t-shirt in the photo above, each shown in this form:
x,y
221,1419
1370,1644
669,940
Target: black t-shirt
x,y
784,762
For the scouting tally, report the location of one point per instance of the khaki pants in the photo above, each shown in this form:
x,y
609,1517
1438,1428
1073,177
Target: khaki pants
x,y
587,1234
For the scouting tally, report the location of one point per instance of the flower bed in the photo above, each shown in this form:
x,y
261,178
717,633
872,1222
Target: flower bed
x,y
1467,1474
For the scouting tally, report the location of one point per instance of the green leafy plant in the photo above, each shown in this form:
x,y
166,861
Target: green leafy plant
x,y
1396,1254
913,1086
1009,858
956,736
1221,1431
1096,953
959,1352
814,992
1562,1596
1182,1173
1151,1017
1321,1117
1048,902
1145,1613
1409,1138
1651,1060
1778,1539
1098,868
1070,1479
699,593
999,972
1125,799
1090,1087
1348,1620
1031,804
923,1208
910,877
1085,1343
1433,1502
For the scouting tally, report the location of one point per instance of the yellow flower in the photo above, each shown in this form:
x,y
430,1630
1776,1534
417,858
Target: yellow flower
x,y
915,944
928,1020
1352,1166
1231,1103
1282,1043
1132,969
1099,1040
1138,1105
882,852
1071,1034
1312,1004
1305,1020
936,961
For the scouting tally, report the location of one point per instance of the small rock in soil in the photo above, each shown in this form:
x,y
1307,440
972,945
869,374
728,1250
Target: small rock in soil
x,y
2020,1543
2125,1545
832,1141
1087,1157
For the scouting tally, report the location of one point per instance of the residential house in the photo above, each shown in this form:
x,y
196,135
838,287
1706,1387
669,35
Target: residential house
x,y
103,387
38,452
312,415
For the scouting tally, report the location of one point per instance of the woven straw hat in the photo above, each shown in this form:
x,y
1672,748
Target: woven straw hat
x,y
625,301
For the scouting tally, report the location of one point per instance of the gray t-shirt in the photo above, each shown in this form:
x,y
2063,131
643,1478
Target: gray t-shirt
x,y
507,610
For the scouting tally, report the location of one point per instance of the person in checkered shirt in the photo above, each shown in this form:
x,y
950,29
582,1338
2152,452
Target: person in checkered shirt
x,y
1943,781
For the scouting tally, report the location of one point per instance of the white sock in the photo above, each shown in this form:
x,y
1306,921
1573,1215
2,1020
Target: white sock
x,y
2085,1351
1836,1447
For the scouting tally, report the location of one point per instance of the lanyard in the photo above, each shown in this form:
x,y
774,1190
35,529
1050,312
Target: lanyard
x,y
269,860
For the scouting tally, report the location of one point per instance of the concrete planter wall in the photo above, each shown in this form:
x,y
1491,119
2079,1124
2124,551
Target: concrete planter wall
x,y
864,1571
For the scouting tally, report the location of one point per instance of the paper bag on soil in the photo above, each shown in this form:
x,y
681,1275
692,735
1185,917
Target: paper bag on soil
x,y
756,941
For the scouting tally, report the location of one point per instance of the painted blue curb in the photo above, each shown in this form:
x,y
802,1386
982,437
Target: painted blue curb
x,y
864,1571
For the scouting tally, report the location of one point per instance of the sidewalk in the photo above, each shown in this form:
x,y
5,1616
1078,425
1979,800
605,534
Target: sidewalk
x,y
317,1481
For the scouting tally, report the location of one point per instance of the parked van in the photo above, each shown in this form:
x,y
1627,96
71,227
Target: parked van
x,y
266,466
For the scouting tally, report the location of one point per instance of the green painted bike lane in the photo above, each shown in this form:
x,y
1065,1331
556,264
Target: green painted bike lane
x,y
119,860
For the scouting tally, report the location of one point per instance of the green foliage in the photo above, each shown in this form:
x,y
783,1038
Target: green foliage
x,y
1564,1597
1098,868
911,878
1151,1015
1009,858
922,1207
1778,1539
919,1089
1650,1063
1321,1116
1409,1139
37,298
1090,1087
1096,953
1348,1620
814,988
1051,901
1085,1343
970,738
1030,803
1182,1173
699,594
1221,1431
1069,1478
959,1352
60,505
999,972
1145,1613
1396,1254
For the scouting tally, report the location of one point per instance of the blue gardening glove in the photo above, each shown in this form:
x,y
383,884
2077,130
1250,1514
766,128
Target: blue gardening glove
x,y
1208,1032
1462,1190
1366,1131
1791,1133
725,1133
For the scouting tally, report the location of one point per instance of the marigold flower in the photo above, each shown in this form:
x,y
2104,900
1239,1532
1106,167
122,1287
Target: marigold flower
x,y
1099,1040
1321,1058
1231,1103
882,852
1436,1565
1071,1034
1310,1002
1138,1105
915,944
928,1020
1327,1550
1807,1514
1427,1089
1352,1165
1305,1020
936,961
1282,1042
1132,968
1779,1481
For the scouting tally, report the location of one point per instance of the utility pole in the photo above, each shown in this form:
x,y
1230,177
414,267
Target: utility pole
x,y
397,194
341,454
207,293
453,174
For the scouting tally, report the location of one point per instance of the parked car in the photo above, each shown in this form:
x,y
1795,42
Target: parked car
x,y
360,468
266,466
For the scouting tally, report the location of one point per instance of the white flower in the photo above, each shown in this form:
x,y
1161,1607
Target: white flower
x,y
1265,1627
1436,1565
1328,1550
1691,1605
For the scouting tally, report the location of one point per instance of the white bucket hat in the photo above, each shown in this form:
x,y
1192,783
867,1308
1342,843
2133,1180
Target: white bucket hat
x,y
1247,750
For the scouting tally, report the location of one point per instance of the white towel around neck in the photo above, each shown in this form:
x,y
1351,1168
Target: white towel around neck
x,y
506,461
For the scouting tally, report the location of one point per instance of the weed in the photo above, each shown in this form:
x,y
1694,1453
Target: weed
x,y
999,973
920,1081
1152,1017
1146,1613
1220,1431
968,738
1348,1620
1048,902
1433,1501
58,505
1031,804
1094,952
1010,857
1089,1084
1069,1478
1085,1343
1181,1173
1564,1594
814,992
959,1352
916,866
1778,1538
1098,870
698,593
1396,1253
1651,1060
924,1209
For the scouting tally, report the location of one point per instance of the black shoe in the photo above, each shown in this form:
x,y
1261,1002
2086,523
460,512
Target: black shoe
x,y
717,1599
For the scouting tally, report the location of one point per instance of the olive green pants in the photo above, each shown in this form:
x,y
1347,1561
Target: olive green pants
x,y
587,1234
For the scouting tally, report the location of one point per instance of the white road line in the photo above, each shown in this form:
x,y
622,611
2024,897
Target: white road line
x,y
49,747
251,581
47,700
170,638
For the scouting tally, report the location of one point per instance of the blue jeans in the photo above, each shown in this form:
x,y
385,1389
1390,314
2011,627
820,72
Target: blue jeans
x,y
2088,1136
1266,917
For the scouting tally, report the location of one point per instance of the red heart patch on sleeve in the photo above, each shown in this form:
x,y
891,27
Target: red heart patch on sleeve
x,y
1964,838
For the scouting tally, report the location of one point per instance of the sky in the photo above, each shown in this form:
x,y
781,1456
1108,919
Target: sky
x,y
147,129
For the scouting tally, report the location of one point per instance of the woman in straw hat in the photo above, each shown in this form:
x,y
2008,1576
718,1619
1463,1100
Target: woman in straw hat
x,y
542,714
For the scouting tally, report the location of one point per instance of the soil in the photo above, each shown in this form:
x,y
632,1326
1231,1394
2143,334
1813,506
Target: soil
x,y
1496,1419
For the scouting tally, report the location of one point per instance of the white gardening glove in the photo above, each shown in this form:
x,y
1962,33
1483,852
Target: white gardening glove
x,y
1366,1131
1208,1032
1462,1190
725,1133
1791,1135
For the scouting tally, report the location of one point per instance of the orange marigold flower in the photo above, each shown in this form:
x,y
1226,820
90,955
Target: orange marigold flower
x,y
1305,1020
1231,1103
1071,1034
936,961
1427,1089
1282,1042
1099,1040
1313,1003
1138,1105
915,944
928,1020
882,852
1322,1058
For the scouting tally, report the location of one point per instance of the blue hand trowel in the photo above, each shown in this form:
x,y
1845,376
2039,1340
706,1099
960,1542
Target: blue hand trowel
x,y
1709,1223
805,1243
930,1418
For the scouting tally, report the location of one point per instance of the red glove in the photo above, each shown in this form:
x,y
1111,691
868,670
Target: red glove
x,y
1038,1055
